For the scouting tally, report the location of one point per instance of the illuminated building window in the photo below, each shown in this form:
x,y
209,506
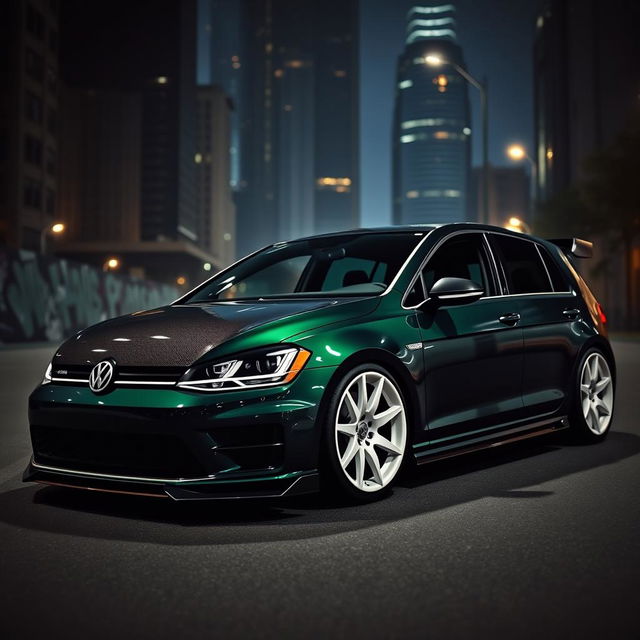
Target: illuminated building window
x,y
413,194
466,131
340,73
339,185
441,81
436,135
549,154
288,107
427,122
278,73
431,22
405,84
161,80
430,33
294,64
197,158
439,9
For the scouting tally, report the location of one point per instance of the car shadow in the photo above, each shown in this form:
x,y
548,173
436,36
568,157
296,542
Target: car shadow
x,y
504,472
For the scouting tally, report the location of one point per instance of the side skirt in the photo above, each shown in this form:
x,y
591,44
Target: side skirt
x,y
524,432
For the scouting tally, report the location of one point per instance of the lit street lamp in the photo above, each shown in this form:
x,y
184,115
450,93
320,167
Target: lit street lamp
x,y
111,264
517,224
517,152
436,60
56,229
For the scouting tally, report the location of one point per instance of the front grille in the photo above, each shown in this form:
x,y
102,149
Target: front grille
x,y
123,454
129,376
249,447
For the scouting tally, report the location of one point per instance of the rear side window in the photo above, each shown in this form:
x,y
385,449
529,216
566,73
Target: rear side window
x,y
522,265
558,279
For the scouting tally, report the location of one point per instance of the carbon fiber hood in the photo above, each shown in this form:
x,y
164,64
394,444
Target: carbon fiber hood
x,y
177,335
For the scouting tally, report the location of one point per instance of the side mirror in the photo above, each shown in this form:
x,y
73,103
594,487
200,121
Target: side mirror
x,y
454,291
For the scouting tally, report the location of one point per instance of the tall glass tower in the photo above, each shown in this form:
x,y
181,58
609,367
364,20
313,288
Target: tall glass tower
x,y
431,131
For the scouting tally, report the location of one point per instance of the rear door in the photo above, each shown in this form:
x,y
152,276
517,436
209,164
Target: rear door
x,y
473,352
549,316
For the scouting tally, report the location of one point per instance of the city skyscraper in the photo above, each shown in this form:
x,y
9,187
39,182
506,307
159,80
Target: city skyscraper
x,y
29,37
300,160
586,84
221,55
215,207
129,178
431,130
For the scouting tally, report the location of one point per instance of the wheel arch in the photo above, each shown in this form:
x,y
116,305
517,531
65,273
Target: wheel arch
x,y
408,385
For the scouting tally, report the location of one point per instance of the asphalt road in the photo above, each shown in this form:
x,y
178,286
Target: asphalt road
x,y
538,540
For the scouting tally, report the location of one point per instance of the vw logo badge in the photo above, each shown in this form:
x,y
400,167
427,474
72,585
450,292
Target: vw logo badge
x,y
101,376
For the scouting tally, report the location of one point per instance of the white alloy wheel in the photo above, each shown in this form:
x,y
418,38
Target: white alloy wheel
x,y
370,431
596,393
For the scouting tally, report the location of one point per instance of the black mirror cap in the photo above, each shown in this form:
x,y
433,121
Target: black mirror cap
x,y
452,291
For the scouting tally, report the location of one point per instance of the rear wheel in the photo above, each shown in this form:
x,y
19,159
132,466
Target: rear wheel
x,y
593,408
366,434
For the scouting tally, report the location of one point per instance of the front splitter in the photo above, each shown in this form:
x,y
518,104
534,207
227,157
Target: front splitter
x,y
278,486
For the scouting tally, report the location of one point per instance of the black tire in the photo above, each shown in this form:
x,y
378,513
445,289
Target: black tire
x,y
333,480
583,429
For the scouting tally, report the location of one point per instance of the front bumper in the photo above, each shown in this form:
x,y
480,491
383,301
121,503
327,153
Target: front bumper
x,y
181,444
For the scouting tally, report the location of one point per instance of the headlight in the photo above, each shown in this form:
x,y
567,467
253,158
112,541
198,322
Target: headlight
x,y
47,375
267,367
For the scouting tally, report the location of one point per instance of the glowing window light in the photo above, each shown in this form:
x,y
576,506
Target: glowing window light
x,y
426,10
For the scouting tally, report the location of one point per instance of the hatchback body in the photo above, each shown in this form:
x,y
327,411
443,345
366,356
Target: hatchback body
x,y
331,360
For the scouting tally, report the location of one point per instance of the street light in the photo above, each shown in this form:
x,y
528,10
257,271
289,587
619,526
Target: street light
x,y
518,152
517,224
436,60
57,228
111,264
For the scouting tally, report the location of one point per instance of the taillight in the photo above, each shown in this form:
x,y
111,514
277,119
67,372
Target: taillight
x,y
601,315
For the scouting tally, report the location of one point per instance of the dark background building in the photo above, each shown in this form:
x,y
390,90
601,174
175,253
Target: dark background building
x,y
509,194
300,131
431,130
215,208
29,110
587,94
587,84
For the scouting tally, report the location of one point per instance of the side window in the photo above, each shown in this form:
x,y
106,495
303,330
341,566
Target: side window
x,y
522,265
350,271
460,257
558,279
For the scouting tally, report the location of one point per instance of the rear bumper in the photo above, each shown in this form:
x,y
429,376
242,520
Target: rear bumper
x,y
179,444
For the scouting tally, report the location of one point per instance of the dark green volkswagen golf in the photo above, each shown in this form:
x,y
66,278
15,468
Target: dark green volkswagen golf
x,y
330,361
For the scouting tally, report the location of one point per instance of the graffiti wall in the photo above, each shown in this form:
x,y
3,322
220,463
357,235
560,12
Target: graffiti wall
x,y
48,299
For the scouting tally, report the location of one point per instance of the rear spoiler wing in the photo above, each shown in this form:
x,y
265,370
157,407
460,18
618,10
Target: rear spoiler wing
x,y
575,247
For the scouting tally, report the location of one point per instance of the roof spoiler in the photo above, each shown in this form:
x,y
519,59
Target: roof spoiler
x,y
575,247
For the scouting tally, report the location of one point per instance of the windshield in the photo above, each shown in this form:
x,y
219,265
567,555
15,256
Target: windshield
x,y
340,265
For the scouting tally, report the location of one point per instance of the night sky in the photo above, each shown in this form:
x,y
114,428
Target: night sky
x,y
497,39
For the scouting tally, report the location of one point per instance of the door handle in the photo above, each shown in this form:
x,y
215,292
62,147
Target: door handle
x,y
510,319
571,313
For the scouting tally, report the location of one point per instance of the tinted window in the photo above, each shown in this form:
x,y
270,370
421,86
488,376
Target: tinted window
x,y
354,264
558,279
460,257
523,267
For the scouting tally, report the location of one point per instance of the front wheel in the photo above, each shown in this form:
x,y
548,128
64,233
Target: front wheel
x,y
366,434
593,409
